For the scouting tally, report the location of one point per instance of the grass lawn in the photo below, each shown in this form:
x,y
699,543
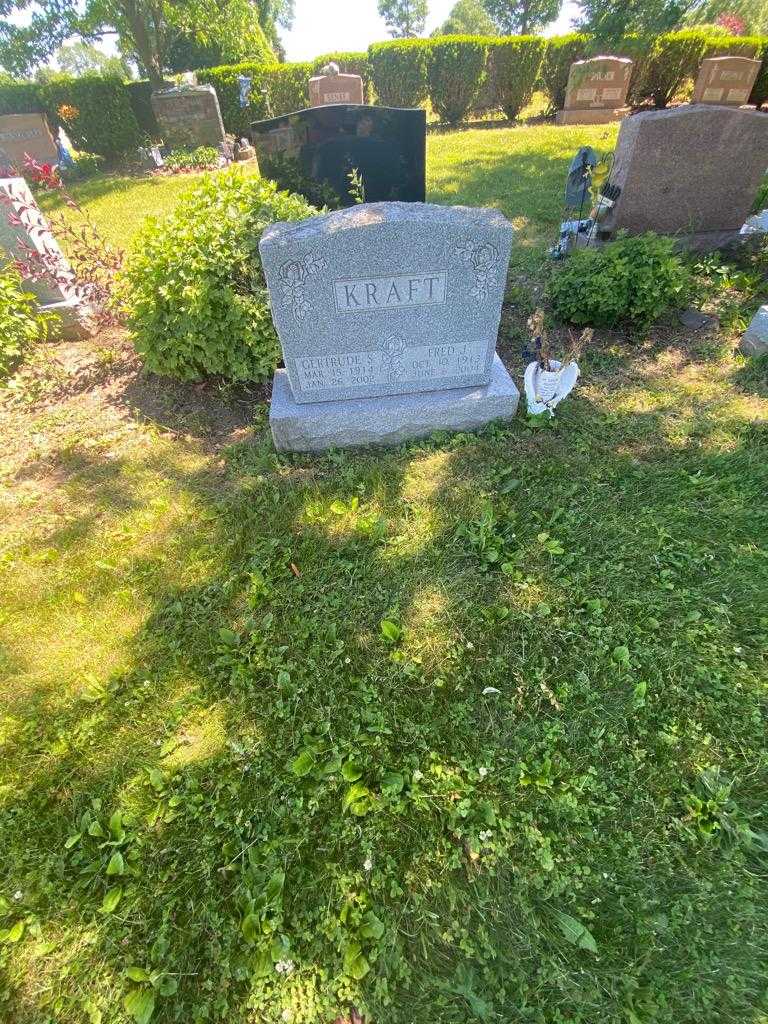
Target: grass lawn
x,y
469,730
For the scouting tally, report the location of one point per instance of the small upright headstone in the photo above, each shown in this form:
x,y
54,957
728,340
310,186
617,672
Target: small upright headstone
x,y
597,91
315,151
726,80
57,291
692,171
330,86
754,341
189,116
22,134
387,315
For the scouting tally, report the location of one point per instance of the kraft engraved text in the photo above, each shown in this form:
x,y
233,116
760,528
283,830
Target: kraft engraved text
x,y
378,293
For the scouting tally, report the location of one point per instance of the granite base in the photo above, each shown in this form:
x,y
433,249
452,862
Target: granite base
x,y
315,426
591,116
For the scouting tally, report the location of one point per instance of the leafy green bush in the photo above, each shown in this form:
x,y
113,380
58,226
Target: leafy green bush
x,y
192,159
399,71
513,67
237,119
193,287
455,71
632,279
87,165
19,97
349,64
21,322
560,53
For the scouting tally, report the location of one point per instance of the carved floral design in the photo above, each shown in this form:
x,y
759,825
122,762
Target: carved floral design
x,y
293,282
483,259
394,347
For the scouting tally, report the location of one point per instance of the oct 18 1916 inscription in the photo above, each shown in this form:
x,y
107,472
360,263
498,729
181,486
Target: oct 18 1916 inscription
x,y
387,298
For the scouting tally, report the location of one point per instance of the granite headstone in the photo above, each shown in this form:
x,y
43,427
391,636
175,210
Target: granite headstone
x,y
597,91
22,134
335,88
725,80
189,116
377,304
314,151
692,171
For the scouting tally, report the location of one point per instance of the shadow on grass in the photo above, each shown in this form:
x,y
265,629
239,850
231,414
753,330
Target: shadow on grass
x,y
262,639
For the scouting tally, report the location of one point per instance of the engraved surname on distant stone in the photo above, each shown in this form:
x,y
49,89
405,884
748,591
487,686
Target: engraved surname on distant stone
x,y
366,294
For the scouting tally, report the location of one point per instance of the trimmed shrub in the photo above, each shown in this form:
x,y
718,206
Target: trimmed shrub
x,y
675,57
560,53
21,322
288,87
139,96
760,89
237,119
349,64
193,285
632,279
513,69
19,98
455,72
101,121
399,71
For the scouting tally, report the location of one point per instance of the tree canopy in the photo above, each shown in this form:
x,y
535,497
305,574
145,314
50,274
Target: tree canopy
x,y
146,29
404,18
468,17
521,17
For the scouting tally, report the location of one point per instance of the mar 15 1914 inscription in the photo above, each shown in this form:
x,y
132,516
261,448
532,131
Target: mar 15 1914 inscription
x,y
387,298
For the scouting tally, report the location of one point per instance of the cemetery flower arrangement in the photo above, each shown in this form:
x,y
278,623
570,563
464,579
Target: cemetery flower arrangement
x,y
184,161
194,287
632,280
21,322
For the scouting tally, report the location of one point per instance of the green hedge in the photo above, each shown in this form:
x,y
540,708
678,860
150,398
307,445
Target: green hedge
x,y
288,86
513,70
399,71
140,98
561,52
760,90
455,72
674,59
237,119
104,121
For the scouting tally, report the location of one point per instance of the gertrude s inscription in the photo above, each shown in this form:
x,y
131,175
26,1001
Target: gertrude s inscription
x,y
367,294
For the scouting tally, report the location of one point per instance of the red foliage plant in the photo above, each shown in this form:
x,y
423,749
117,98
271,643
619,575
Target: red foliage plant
x,y
89,275
732,23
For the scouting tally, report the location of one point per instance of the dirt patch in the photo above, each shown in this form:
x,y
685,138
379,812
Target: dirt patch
x,y
106,373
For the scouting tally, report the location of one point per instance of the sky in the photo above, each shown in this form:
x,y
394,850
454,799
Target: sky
x,y
322,26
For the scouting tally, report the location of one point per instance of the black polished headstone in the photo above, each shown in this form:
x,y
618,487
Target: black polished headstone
x,y
314,151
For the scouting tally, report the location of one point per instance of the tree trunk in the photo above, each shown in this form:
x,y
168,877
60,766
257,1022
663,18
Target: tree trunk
x,y
146,47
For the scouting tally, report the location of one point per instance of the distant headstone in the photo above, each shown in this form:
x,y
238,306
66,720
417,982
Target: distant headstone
x,y
388,315
330,86
25,133
189,116
726,80
57,294
597,91
314,152
754,341
692,171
